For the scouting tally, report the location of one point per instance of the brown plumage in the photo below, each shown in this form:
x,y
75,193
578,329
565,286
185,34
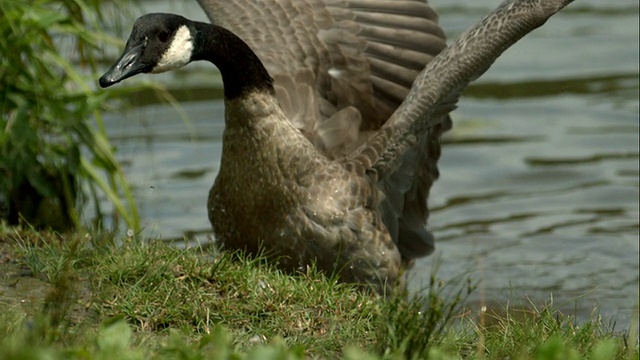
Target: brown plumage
x,y
328,157
340,69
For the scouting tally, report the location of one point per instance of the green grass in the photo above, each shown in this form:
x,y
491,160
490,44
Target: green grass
x,y
102,297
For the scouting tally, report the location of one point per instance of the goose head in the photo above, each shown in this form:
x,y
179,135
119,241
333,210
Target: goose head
x,y
158,43
162,42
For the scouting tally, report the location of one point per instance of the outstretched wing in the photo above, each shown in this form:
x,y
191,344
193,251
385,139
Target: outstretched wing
x,y
350,53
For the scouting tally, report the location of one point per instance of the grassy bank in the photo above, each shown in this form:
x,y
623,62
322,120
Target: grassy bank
x,y
91,296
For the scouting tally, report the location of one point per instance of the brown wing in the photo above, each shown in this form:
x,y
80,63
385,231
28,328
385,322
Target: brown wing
x,y
359,53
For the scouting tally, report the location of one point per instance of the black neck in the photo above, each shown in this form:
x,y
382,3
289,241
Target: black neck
x,y
239,66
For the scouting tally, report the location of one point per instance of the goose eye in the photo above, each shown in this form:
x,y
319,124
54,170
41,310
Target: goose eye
x,y
163,36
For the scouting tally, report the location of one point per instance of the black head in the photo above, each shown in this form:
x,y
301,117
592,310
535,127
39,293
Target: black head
x,y
158,43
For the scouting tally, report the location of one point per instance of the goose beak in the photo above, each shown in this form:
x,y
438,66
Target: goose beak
x,y
127,66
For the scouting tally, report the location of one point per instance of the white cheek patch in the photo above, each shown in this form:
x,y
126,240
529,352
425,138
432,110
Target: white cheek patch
x,y
179,52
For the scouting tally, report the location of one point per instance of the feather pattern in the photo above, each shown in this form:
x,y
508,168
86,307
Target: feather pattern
x,y
358,60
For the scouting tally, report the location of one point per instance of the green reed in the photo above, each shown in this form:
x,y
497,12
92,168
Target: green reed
x,y
54,152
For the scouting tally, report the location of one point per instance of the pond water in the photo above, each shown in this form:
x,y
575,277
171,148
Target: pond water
x,y
539,183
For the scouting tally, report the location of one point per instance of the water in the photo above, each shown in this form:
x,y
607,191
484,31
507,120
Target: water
x,y
539,183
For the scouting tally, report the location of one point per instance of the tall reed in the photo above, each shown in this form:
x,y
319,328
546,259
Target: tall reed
x,y
54,152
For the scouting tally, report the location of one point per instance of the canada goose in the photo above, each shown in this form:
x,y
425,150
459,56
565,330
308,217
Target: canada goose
x,y
324,161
